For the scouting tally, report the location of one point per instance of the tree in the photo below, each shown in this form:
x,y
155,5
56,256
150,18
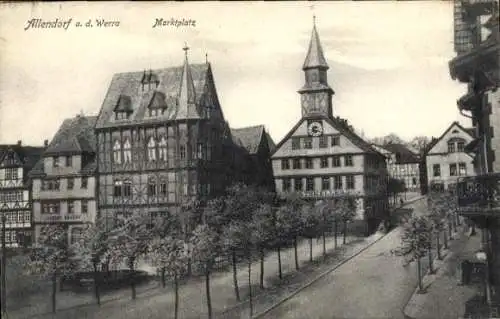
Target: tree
x,y
129,240
263,223
311,225
292,220
52,256
419,143
169,255
346,210
92,250
190,215
394,187
206,247
415,241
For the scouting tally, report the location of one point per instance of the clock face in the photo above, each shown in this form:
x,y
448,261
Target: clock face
x,y
315,129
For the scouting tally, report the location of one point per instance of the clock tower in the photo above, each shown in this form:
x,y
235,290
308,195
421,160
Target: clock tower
x,y
316,94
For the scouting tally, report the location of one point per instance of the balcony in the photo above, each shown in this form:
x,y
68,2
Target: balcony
x,y
479,195
64,218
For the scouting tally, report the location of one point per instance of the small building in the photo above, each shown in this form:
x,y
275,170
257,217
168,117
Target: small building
x,y
16,161
447,159
63,180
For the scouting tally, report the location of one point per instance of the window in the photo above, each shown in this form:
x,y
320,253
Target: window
x,y
325,183
295,143
414,181
337,182
50,207
127,151
309,184
182,152
71,207
323,141
307,142
298,184
336,161
324,162
296,163
85,206
85,181
335,140
117,152
151,149
162,149
462,169
127,189
460,146
348,160
55,161
349,180
69,161
451,147
163,188
453,169
152,188
309,163
436,170
285,164
286,184
117,189
71,182
11,173
200,151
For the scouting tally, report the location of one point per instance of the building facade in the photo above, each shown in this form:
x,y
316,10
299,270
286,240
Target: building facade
x,y
64,179
322,157
402,164
16,161
447,159
162,141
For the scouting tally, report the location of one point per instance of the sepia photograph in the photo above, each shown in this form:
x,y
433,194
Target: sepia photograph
x,y
303,160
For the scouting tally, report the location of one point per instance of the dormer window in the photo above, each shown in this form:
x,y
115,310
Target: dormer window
x,y
149,81
123,108
157,105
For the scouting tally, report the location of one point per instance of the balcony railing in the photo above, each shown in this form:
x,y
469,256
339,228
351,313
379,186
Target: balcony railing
x,y
479,195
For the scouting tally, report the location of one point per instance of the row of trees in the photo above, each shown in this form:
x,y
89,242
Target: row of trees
x,y
245,223
421,234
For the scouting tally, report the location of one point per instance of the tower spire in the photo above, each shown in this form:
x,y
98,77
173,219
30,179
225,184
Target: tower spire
x,y
187,95
315,56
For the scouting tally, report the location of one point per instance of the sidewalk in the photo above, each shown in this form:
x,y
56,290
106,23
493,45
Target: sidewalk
x,y
443,297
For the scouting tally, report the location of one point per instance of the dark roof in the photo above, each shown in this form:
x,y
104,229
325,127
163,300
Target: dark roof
x,y
251,137
129,84
28,155
434,141
403,154
75,135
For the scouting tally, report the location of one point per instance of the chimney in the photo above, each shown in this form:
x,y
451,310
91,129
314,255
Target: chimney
x,y
19,143
46,143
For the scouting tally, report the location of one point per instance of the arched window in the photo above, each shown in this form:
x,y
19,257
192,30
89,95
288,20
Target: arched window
x,y
162,149
152,190
117,188
117,152
127,151
456,145
151,149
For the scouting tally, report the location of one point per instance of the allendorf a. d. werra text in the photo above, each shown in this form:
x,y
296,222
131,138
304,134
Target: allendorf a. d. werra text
x,y
160,22
56,24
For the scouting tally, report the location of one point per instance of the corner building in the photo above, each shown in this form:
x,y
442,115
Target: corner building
x,y
322,157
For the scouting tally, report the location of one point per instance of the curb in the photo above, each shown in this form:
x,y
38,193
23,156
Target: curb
x,y
331,269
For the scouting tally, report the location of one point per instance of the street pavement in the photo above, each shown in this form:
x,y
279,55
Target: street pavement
x,y
374,284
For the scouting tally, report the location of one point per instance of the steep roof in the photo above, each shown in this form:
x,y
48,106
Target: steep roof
x,y
199,88
28,155
406,156
434,141
75,135
315,56
251,137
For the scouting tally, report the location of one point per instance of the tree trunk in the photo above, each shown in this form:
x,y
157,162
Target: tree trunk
x,y
335,234
344,240
324,245
132,278
279,262
207,289
54,291
310,249
250,285
445,240
96,285
163,283
438,245
429,253
261,268
449,231
176,300
296,253
419,275
235,275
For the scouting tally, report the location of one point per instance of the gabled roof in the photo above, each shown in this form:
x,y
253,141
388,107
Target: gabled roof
x,y
340,125
406,156
27,155
434,141
251,137
170,81
75,135
315,56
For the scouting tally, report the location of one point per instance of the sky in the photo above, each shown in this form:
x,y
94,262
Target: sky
x,y
388,61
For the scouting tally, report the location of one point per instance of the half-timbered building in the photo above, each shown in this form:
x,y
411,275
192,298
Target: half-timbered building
x,y
322,157
16,161
163,140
